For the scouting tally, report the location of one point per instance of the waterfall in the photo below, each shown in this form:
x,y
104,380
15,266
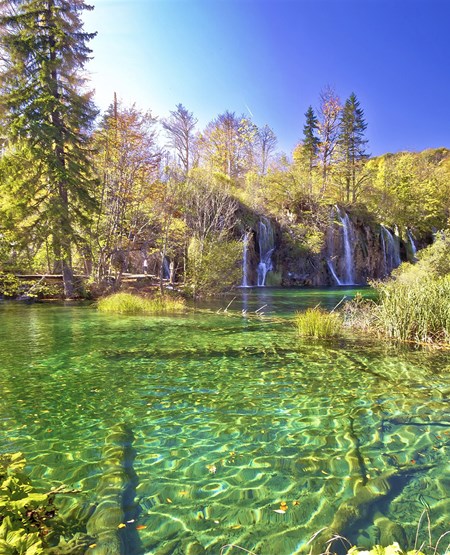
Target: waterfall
x,y
347,277
245,260
391,249
348,255
333,273
166,268
266,243
412,244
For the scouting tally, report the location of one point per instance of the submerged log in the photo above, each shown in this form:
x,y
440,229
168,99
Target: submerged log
x,y
106,525
360,505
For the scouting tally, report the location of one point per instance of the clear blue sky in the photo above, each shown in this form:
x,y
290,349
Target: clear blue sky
x,y
273,57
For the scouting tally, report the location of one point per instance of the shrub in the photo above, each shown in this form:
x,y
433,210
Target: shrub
x,y
9,285
318,323
127,303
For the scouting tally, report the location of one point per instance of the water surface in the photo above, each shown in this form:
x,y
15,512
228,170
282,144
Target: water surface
x,y
232,415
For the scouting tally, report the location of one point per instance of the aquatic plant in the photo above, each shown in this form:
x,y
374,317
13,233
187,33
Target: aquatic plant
x,y
24,513
128,303
416,311
319,324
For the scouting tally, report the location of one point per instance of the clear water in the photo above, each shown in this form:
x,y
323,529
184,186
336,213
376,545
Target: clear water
x,y
231,416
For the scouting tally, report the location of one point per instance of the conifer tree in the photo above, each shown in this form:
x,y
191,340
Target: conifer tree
x,y
352,144
44,106
310,147
310,138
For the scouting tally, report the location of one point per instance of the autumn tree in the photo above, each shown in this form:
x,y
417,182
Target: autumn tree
x,y
265,142
210,211
47,112
328,130
180,129
127,162
228,145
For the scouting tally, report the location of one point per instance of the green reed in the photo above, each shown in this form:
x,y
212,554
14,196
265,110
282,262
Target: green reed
x,y
127,303
415,310
318,323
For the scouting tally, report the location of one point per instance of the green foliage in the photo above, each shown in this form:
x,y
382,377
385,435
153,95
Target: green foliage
x,y
415,304
47,113
23,512
9,285
213,266
128,303
318,323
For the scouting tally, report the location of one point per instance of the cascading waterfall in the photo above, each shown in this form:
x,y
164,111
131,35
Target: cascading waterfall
x,y
391,249
266,243
348,270
412,244
166,268
245,260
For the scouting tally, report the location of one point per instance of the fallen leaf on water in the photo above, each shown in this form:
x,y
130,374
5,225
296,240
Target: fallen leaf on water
x,y
122,525
140,526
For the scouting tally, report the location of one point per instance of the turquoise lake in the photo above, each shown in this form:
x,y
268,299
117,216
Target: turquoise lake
x,y
232,417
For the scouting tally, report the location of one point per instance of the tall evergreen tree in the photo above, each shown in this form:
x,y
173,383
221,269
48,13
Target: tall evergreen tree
x,y
352,144
310,141
44,105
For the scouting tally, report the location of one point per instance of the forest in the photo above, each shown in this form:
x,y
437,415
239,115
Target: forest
x,y
95,195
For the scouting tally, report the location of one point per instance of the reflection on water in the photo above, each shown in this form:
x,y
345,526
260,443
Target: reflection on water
x,y
233,420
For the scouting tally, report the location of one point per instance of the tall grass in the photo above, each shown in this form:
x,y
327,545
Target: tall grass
x,y
318,323
415,310
127,303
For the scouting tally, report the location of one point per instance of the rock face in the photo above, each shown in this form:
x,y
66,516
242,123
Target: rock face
x,y
354,250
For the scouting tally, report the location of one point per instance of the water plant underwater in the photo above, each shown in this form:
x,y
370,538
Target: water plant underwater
x,y
129,303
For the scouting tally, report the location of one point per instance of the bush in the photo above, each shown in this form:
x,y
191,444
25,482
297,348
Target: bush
x,y
9,285
318,323
127,303
214,266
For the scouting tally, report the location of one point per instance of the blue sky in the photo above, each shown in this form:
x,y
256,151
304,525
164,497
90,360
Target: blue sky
x,y
273,57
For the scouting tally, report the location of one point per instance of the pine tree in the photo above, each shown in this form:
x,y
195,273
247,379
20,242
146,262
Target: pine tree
x,y
44,106
352,145
311,141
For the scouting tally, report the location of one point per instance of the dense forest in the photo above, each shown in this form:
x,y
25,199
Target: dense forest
x,y
97,195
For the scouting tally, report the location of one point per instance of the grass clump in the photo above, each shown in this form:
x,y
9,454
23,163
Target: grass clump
x,y
127,303
415,311
318,323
